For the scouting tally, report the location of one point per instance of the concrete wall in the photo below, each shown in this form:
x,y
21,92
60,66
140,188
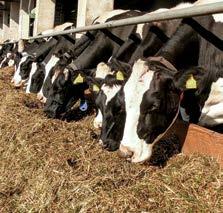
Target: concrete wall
x,y
6,30
24,18
88,10
14,20
1,27
18,26
45,13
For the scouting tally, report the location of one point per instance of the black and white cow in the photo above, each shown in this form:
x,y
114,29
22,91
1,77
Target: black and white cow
x,y
28,53
74,52
178,51
7,54
159,90
142,39
149,45
23,61
41,69
152,40
106,43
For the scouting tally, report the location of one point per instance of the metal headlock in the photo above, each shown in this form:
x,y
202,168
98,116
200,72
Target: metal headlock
x,y
198,10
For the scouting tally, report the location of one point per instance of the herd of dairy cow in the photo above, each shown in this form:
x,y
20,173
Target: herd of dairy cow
x,y
142,77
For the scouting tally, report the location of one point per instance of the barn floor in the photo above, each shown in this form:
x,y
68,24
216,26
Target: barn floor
x,y
57,166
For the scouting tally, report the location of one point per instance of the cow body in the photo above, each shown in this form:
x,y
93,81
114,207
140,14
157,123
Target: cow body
x,y
160,96
100,49
159,33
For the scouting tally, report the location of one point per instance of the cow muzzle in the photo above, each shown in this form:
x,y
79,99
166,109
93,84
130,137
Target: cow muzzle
x,y
41,98
138,154
18,84
124,152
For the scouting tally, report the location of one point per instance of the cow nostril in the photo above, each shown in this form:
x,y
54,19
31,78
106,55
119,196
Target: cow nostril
x,y
124,152
43,100
39,96
17,86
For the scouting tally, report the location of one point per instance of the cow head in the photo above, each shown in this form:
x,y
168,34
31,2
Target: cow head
x,y
23,70
64,92
36,78
108,101
152,97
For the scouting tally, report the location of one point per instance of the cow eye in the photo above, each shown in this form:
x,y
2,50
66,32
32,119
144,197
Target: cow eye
x,y
152,108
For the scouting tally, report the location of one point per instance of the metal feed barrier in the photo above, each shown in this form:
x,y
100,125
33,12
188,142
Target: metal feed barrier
x,y
197,10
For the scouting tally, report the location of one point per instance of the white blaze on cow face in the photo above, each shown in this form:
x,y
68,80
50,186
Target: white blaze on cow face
x,y
17,79
110,92
33,70
212,112
138,83
98,120
102,70
11,63
8,55
55,75
3,61
51,63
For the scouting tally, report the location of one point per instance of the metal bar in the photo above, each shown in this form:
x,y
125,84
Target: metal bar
x,y
197,10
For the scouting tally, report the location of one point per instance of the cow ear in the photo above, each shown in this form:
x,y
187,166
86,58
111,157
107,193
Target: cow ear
x,y
117,65
94,83
188,79
78,79
91,80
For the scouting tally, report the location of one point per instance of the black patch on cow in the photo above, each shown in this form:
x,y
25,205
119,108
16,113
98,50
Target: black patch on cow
x,y
25,67
113,120
37,79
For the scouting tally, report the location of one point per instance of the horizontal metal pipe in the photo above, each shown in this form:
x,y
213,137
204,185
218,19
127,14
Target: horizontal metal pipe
x,y
197,10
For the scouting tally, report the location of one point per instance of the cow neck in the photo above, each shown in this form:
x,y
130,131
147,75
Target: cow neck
x,y
160,136
170,66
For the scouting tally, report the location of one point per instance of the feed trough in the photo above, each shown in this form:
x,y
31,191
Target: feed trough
x,y
197,139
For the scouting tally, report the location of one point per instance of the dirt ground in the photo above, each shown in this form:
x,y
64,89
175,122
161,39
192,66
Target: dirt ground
x,y
51,165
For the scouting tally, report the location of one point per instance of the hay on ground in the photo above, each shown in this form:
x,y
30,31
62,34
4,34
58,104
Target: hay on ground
x,y
58,166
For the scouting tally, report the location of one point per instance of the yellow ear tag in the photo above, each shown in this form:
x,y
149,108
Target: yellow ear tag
x,y
79,79
191,83
120,76
95,88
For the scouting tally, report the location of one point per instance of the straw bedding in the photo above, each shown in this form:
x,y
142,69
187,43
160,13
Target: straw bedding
x,y
51,165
